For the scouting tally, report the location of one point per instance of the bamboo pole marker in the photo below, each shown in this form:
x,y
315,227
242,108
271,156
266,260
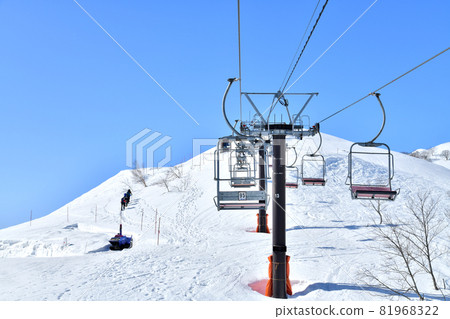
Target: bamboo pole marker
x,y
159,229
156,219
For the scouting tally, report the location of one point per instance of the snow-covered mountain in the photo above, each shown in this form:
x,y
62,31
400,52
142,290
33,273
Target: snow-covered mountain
x,y
438,155
204,254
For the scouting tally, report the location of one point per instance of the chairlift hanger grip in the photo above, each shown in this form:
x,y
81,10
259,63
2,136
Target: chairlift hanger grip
x,y
230,82
377,95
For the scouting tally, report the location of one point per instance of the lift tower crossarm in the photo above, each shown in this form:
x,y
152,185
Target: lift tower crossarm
x,y
255,108
304,106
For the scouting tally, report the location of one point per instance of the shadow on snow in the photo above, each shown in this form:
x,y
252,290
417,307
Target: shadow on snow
x,y
99,250
329,286
349,227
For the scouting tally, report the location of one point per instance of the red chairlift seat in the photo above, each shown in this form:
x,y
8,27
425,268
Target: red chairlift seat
x,y
292,185
373,192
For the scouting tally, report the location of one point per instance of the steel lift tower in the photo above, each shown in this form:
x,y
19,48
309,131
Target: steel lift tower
x,y
266,132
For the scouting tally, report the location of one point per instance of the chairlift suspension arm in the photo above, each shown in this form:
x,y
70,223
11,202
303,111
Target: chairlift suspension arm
x,y
296,157
377,95
230,82
320,143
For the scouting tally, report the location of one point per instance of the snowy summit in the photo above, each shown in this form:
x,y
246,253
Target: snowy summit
x,y
438,155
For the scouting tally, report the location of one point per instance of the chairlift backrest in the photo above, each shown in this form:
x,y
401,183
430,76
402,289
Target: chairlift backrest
x,y
242,165
372,150
316,160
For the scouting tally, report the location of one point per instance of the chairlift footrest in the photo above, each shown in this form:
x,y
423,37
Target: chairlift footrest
x,y
370,192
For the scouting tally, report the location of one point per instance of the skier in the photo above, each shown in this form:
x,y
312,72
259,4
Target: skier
x,y
123,203
127,198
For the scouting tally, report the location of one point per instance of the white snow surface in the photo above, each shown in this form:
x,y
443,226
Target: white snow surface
x,y
435,154
204,254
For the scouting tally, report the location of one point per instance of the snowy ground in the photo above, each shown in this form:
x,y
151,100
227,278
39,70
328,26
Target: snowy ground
x,y
438,155
204,254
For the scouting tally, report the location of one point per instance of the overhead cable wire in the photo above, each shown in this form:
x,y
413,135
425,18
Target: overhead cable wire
x,y
312,64
300,43
136,62
385,85
306,43
239,47
270,107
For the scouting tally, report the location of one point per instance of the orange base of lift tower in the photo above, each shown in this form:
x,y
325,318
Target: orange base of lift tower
x,y
269,292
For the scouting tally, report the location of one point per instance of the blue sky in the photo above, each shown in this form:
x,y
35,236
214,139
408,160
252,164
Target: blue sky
x,y
70,98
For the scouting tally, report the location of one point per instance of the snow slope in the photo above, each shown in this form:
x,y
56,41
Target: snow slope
x,y
204,254
435,154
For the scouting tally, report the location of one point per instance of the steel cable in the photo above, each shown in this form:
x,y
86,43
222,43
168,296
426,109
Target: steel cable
x,y
301,41
306,43
385,85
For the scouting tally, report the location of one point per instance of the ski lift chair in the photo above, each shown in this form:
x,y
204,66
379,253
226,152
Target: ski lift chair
x,y
372,190
251,198
317,179
292,183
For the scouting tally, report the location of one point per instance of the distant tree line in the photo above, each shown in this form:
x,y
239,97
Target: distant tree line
x,y
426,155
